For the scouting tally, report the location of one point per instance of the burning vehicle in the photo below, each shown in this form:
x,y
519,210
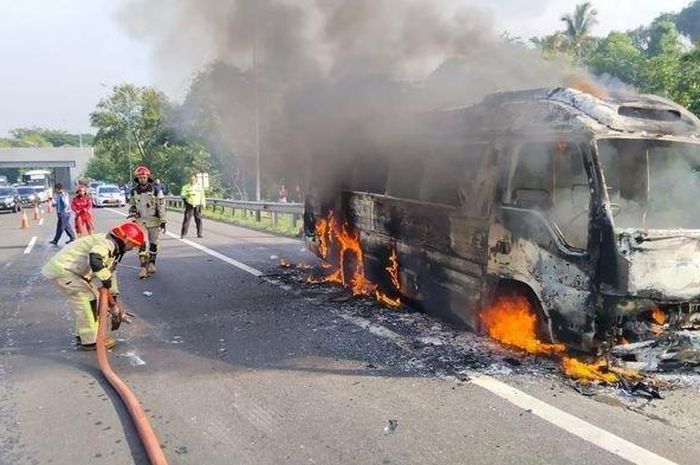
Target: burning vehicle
x,y
585,205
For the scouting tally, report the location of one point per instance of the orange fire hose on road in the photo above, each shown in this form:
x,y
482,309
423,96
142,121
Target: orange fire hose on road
x,y
143,426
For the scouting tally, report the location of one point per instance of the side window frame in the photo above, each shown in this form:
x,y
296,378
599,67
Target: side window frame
x,y
509,171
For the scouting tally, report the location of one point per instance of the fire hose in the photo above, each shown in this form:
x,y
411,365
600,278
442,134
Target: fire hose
x,y
143,427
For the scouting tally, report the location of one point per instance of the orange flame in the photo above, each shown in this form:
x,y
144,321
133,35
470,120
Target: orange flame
x,y
386,300
510,320
393,269
587,372
347,262
658,316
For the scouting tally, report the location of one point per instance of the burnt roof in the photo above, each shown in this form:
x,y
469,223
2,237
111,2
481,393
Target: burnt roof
x,y
563,108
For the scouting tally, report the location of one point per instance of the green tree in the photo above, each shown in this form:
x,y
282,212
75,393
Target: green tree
x,y
553,45
135,117
135,127
688,20
617,56
52,137
579,26
663,38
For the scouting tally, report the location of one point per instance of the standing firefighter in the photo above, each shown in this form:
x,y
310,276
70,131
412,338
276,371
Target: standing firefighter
x,y
80,269
147,207
193,196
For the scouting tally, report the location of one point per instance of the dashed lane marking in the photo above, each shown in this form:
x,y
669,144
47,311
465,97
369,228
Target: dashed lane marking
x,y
216,254
213,253
570,423
32,241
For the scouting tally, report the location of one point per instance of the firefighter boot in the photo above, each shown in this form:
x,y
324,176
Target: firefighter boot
x,y
143,271
151,267
110,344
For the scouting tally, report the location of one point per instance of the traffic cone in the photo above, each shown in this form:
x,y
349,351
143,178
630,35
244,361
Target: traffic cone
x,y
23,222
37,215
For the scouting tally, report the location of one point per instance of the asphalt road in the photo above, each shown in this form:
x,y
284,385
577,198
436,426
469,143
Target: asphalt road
x,y
239,369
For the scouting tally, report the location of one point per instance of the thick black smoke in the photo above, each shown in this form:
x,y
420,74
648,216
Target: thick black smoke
x,y
327,66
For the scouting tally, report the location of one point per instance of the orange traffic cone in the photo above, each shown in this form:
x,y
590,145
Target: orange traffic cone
x,y
23,222
37,215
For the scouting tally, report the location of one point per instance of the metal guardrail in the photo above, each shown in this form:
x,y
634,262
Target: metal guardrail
x,y
295,210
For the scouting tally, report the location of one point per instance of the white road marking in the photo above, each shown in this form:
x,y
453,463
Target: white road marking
x,y
30,245
41,222
134,359
574,425
7,265
570,423
209,251
216,254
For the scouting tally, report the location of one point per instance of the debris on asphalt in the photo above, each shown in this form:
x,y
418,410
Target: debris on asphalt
x,y
148,293
391,426
439,350
673,351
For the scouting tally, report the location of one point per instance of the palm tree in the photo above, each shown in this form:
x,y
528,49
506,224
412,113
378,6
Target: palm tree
x,y
579,26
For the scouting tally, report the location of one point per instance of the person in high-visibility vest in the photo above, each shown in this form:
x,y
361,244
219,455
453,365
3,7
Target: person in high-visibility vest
x,y
147,207
86,265
195,200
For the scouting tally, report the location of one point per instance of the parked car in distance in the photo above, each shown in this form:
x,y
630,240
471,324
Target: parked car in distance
x,y
42,194
108,194
27,195
92,187
9,199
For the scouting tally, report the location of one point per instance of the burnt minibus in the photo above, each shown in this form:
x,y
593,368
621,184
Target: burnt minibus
x,y
588,205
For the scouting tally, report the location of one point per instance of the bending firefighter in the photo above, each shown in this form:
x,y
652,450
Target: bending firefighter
x,y
147,207
80,269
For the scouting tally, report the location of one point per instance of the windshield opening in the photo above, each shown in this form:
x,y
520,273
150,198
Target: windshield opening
x,y
25,190
652,184
5,191
108,190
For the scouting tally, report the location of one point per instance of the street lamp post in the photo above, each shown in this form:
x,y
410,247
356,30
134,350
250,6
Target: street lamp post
x,y
257,109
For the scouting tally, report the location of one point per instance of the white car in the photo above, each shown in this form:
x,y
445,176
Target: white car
x,y
108,194
41,193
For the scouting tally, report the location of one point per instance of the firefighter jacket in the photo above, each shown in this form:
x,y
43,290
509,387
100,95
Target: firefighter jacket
x,y
92,257
147,205
81,204
194,195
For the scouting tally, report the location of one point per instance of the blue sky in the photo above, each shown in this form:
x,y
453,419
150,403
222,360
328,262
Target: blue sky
x,y
58,55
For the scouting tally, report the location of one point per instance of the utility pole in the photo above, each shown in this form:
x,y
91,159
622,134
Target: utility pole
x,y
257,109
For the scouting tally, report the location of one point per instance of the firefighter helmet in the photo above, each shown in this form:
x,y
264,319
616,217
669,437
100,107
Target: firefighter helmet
x,y
129,233
142,171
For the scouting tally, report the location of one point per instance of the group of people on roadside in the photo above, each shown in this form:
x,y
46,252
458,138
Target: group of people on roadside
x,y
80,206
81,269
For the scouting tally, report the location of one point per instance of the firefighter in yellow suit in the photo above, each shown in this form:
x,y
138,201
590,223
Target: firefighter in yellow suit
x,y
81,268
147,208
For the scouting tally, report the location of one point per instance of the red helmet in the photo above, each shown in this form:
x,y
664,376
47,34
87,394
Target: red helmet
x,y
129,233
142,171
